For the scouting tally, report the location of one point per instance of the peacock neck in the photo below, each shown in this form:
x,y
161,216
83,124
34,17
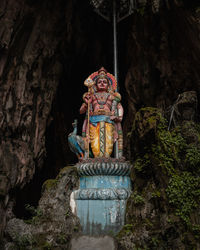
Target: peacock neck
x,y
75,131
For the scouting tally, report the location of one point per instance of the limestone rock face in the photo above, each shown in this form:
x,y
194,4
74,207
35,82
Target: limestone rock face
x,y
162,58
53,223
28,87
163,210
184,108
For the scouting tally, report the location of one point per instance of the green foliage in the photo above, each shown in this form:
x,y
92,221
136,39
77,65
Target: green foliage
x,y
22,241
197,125
168,148
62,238
198,10
155,241
49,184
196,230
67,213
36,213
47,246
141,11
184,194
76,228
148,223
126,230
111,233
136,198
192,158
142,163
183,188
128,135
145,120
128,227
69,170
167,154
167,145
156,194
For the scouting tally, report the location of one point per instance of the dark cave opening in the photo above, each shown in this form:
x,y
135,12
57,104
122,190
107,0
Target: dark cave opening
x,y
91,48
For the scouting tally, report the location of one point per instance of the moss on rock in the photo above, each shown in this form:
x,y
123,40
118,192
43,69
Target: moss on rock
x,y
166,177
50,183
53,222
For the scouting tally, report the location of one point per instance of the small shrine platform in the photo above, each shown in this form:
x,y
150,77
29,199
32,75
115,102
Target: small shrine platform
x,y
100,201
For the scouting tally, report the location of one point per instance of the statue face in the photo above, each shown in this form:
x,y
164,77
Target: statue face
x,y
102,84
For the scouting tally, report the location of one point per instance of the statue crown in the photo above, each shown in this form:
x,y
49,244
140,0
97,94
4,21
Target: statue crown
x,y
102,72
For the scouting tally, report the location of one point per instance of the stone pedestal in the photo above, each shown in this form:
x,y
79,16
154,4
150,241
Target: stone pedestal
x,y
93,243
100,201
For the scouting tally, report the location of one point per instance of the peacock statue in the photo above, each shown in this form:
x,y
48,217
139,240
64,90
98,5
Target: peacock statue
x,y
76,142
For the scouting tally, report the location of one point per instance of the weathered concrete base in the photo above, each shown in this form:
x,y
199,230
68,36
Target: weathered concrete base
x,y
100,201
91,243
100,217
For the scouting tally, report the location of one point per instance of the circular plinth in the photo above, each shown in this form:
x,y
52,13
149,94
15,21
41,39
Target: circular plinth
x,y
102,166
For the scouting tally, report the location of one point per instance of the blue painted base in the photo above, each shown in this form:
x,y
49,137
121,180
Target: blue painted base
x,y
101,217
105,181
101,202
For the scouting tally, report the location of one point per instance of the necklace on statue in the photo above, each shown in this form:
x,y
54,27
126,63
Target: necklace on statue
x,y
102,99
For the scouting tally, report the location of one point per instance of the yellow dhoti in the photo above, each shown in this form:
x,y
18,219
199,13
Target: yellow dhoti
x,y
102,139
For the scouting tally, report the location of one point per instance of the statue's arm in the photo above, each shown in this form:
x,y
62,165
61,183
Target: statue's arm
x,y
117,108
83,108
120,112
86,98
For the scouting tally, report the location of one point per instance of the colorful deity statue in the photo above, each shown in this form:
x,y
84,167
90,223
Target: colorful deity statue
x,y
104,113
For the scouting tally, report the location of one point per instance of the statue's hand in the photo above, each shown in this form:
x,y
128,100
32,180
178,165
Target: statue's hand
x,y
115,118
83,108
87,98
